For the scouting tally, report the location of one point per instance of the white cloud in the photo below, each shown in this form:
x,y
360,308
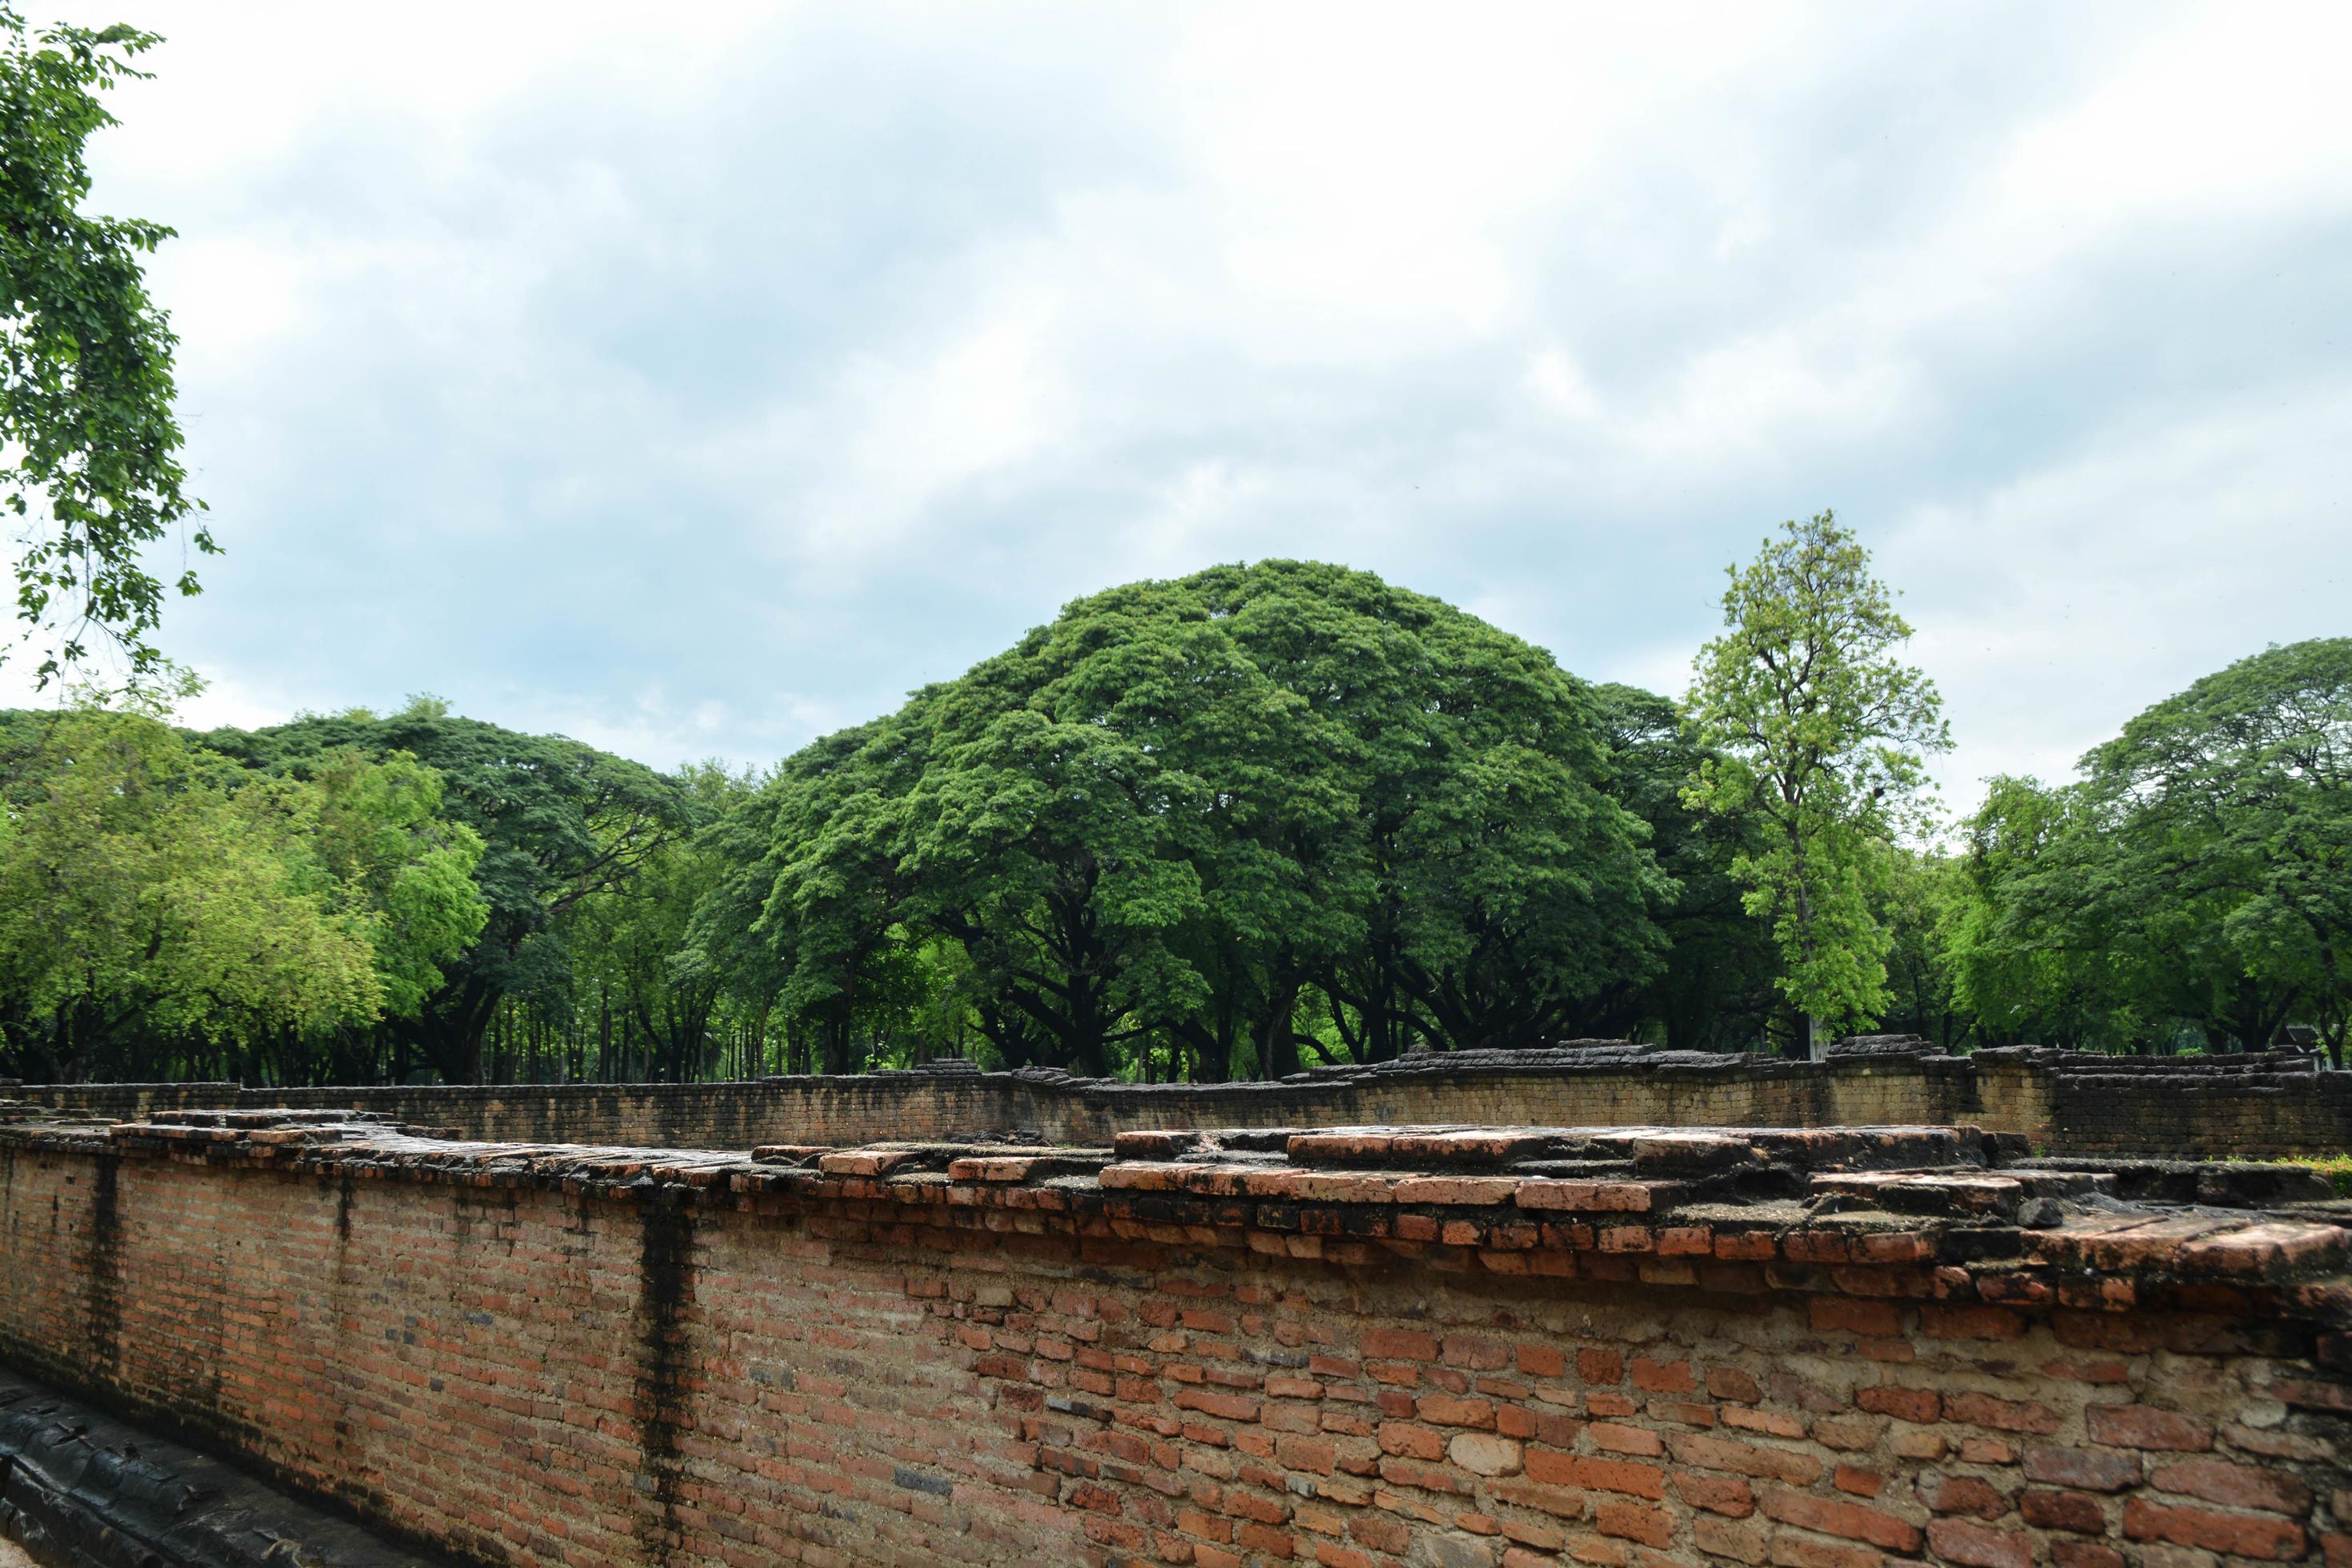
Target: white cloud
x,y
2067,599
697,385
2236,109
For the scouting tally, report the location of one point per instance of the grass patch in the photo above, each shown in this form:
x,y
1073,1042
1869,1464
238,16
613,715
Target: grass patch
x,y
2336,1168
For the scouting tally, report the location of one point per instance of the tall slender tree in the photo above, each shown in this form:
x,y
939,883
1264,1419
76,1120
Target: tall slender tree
x,y
1818,727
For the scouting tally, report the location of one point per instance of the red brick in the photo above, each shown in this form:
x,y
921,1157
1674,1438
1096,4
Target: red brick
x,y
1962,1494
1664,1376
2234,1486
1703,1452
1970,1323
2237,1534
1971,1546
1854,1480
2001,1415
1399,1344
1596,1474
1612,1438
1852,1520
1875,1319
1722,1538
1543,1361
2085,1555
2086,1470
1099,1381
1790,1550
1634,1521
2144,1426
1726,1495
2079,1511
1918,1406
1268,1541
1448,1410
1731,1382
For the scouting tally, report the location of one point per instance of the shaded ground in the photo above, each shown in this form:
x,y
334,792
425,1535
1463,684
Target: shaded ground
x,y
95,1489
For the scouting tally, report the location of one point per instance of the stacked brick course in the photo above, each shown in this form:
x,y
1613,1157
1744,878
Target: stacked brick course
x,y
1360,1347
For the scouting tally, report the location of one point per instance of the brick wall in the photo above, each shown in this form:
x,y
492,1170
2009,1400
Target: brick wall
x,y
1716,1090
2103,1106
2071,1103
623,1363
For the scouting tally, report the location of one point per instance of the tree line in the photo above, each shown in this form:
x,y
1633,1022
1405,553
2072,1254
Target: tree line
x,y
1229,825
1257,818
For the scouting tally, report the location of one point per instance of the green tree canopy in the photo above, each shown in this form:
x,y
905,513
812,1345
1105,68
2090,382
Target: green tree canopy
x,y
2199,875
2235,797
151,890
1716,990
1184,806
94,472
560,823
636,946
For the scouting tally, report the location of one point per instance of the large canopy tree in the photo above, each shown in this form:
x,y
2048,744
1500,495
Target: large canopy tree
x,y
2199,874
1184,808
2234,798
2037,949
560,822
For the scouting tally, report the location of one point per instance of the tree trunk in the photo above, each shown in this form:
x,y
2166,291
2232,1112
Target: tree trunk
x,y
1278,1036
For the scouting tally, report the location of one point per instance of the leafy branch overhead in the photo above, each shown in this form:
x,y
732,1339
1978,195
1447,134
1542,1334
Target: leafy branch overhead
x,y
95,475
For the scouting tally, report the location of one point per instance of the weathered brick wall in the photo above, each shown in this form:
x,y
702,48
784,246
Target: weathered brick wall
x,y
2103,1106
708,1363
1710,1091
2068,1102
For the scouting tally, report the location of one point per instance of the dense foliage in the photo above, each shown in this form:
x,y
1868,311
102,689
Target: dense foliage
x,y
1213,822
2195,884
163,912
1228,826
561,827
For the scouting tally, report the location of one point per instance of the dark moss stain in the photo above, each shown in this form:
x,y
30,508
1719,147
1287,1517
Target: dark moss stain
x,y
584,1211
103,1266
665,1295
339,1295
1814,1090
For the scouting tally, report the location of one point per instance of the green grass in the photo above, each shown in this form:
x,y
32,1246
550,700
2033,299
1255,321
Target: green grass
x,y
2337,1168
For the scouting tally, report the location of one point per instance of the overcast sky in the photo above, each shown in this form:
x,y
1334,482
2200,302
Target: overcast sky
x,y
693,390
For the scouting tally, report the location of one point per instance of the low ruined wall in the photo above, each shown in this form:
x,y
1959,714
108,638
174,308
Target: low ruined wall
x,y
1620,1088
879,1358
2262,1105
2102,1105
